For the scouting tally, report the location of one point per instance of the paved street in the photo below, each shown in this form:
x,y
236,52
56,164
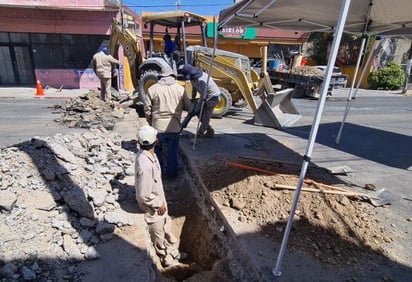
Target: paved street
x,y
376,143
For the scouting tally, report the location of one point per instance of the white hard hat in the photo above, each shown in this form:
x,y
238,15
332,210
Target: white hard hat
x,y
147,135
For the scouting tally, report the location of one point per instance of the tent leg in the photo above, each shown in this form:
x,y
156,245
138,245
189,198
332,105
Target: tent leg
x,y
355,75
349,100
315,126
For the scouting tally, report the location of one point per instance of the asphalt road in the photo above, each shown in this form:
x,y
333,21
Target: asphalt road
x,y
21,119
376,142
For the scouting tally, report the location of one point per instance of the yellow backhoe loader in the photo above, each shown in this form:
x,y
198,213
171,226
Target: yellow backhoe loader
x,y
232,72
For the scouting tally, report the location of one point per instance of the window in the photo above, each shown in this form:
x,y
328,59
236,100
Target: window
x,y
19,37
65,51
47,56
4,37
44,38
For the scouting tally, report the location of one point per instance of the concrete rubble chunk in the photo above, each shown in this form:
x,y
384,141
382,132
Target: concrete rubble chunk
x,y
91,253
76,199
7,200
44,200
98,196
27,273
70,247
104,228
84,236
86,222
62,152
8,270
118,218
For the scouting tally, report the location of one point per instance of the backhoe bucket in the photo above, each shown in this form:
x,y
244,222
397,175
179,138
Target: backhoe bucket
x,y
277,110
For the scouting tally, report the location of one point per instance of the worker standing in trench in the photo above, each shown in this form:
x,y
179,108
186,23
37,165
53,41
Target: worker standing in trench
x,y
151,199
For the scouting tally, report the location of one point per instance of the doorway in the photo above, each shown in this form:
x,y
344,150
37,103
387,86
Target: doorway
x,y
16,67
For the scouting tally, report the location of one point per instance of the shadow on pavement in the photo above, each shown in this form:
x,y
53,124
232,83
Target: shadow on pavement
x,y
388,148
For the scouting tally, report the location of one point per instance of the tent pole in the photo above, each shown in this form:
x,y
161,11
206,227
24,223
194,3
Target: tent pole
x,y
349,101
315,126
355,75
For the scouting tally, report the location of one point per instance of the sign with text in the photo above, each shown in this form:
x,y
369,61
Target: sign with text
x,y
237,31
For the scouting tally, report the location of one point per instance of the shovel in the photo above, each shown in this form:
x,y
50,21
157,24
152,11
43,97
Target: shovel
x,y
382,197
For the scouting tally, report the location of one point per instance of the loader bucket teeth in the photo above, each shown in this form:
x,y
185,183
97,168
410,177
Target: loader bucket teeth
x,y
277,110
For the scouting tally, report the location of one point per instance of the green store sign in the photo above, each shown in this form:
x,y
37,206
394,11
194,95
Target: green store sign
x,y
238,32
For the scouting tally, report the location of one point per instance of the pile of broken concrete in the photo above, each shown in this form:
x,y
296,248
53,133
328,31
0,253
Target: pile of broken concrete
x,y
59,197
89,111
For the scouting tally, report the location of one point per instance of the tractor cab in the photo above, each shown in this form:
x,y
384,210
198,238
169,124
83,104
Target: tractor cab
x,y
172,28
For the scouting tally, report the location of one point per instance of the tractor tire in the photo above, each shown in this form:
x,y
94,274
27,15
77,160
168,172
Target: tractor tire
x,y
224,104
147,79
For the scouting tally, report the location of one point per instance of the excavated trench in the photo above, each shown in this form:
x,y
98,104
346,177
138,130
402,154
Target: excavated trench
x,y
213,254
198,237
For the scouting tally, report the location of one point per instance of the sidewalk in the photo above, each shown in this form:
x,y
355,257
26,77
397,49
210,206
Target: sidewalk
x,y
30,93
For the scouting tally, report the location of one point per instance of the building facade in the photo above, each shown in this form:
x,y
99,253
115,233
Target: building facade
x,y
53,41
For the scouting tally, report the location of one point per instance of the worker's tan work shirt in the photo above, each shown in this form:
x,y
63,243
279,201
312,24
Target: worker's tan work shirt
x,y
102,64
149,186
164,104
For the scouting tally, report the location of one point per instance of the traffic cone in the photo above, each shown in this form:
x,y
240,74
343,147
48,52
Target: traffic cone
x,y
39,89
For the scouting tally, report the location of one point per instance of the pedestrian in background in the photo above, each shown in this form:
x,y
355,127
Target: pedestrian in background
x,y
210,95
102,64
163,108
151,199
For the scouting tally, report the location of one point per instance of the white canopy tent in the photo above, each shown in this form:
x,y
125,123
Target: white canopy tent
x,y
363,17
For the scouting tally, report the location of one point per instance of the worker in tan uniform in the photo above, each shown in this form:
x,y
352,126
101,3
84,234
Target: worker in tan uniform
x,y
163,107
102,64
151,199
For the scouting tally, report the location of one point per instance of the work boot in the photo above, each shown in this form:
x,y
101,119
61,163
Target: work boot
x,y
210,133
181,256
169,261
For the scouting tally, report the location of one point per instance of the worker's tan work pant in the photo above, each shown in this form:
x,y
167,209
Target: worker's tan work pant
x,y
105,89
165,243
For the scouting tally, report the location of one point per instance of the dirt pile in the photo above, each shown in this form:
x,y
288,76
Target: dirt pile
x,y
333,228
307,70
